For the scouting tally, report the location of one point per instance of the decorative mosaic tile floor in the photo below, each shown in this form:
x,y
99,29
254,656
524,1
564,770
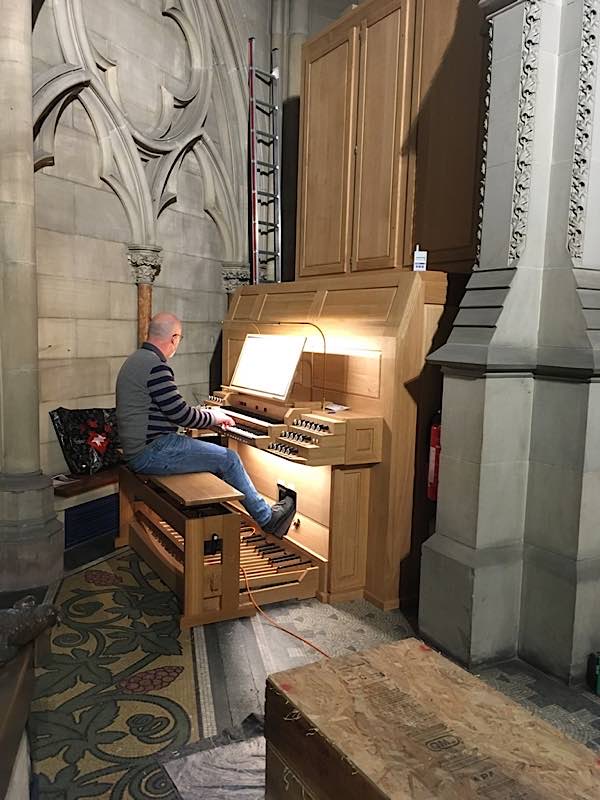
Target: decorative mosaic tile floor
x,y
109,660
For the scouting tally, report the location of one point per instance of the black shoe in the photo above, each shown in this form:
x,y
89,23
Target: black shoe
x,y
282,514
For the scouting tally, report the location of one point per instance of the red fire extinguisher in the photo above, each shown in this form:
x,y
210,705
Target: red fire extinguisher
x,y
435,447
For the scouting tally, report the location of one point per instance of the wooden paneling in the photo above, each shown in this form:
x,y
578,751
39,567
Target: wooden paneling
x,y
350,375
364,441
383,119
246,306
311,484
232,348
281,781
294,306
328,130
370,304
196,489
311,536
349,520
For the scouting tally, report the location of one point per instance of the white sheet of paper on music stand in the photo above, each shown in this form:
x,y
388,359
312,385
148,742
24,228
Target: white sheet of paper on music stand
x,y
266,365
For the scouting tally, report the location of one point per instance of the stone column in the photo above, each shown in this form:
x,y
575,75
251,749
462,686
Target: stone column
x,y
471,573
31,540
297,35
146,262
289,31
561,585
279,27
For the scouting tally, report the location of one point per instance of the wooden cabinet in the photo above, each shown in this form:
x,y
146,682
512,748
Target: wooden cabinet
x,y
330,86
390,138
383,123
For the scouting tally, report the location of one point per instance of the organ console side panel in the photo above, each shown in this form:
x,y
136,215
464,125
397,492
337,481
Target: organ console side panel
x,y
354,470
349,521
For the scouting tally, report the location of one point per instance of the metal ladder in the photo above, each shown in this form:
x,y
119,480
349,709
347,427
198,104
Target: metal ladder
x,y
264,148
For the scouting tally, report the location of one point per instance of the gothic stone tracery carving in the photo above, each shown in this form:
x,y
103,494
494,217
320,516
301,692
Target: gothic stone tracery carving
x,y
583,128
525,128
484,139
142,167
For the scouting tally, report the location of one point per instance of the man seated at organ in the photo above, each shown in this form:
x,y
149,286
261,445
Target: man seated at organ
x,y
150,410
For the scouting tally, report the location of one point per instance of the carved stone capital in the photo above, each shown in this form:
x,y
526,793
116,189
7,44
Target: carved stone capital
x,y
145,261
235,275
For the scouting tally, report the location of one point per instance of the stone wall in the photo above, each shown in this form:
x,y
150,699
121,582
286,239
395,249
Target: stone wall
x,y
159,114
323,12
142,141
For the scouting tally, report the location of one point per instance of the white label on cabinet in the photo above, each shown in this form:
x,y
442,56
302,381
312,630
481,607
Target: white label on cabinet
x,y
419,259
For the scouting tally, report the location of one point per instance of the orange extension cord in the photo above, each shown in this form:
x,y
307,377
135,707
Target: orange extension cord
x,y
272,622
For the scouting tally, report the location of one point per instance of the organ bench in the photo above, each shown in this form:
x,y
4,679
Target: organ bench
x,y
185,529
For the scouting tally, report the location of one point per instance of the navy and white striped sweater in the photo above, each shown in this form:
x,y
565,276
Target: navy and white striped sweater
x,y
149,403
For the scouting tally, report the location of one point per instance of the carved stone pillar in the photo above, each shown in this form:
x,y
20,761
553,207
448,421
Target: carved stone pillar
x,y
146,262
31,540
298,33
514,564
471,569
279,28
561,584
289,31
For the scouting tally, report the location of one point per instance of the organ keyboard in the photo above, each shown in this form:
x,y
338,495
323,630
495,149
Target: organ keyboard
x,y
305,435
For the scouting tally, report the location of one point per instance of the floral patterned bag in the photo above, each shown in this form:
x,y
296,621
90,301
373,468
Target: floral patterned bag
x,y
88,438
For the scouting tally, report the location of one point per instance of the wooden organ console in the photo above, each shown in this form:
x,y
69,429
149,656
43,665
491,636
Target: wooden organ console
x,y
353,471
365,340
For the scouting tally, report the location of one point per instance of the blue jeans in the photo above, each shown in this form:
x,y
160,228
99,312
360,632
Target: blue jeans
x,y
173,454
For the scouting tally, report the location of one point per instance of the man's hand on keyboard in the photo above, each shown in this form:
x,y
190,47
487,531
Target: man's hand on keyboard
x,y
221,419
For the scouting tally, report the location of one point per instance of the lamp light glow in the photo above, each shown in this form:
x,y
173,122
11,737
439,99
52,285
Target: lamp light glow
x,y
267,364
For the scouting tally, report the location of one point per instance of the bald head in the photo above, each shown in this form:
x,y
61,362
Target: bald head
x,y
163,326
164,332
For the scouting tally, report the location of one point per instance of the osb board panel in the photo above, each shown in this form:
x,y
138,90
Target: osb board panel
x,y
401,721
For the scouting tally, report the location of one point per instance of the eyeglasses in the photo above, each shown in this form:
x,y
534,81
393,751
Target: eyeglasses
x,y
180,335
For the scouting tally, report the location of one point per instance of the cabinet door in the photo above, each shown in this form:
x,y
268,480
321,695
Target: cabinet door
x,y
382,132
326,153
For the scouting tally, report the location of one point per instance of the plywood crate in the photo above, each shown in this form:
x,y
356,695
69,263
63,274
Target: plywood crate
x,y
401,721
